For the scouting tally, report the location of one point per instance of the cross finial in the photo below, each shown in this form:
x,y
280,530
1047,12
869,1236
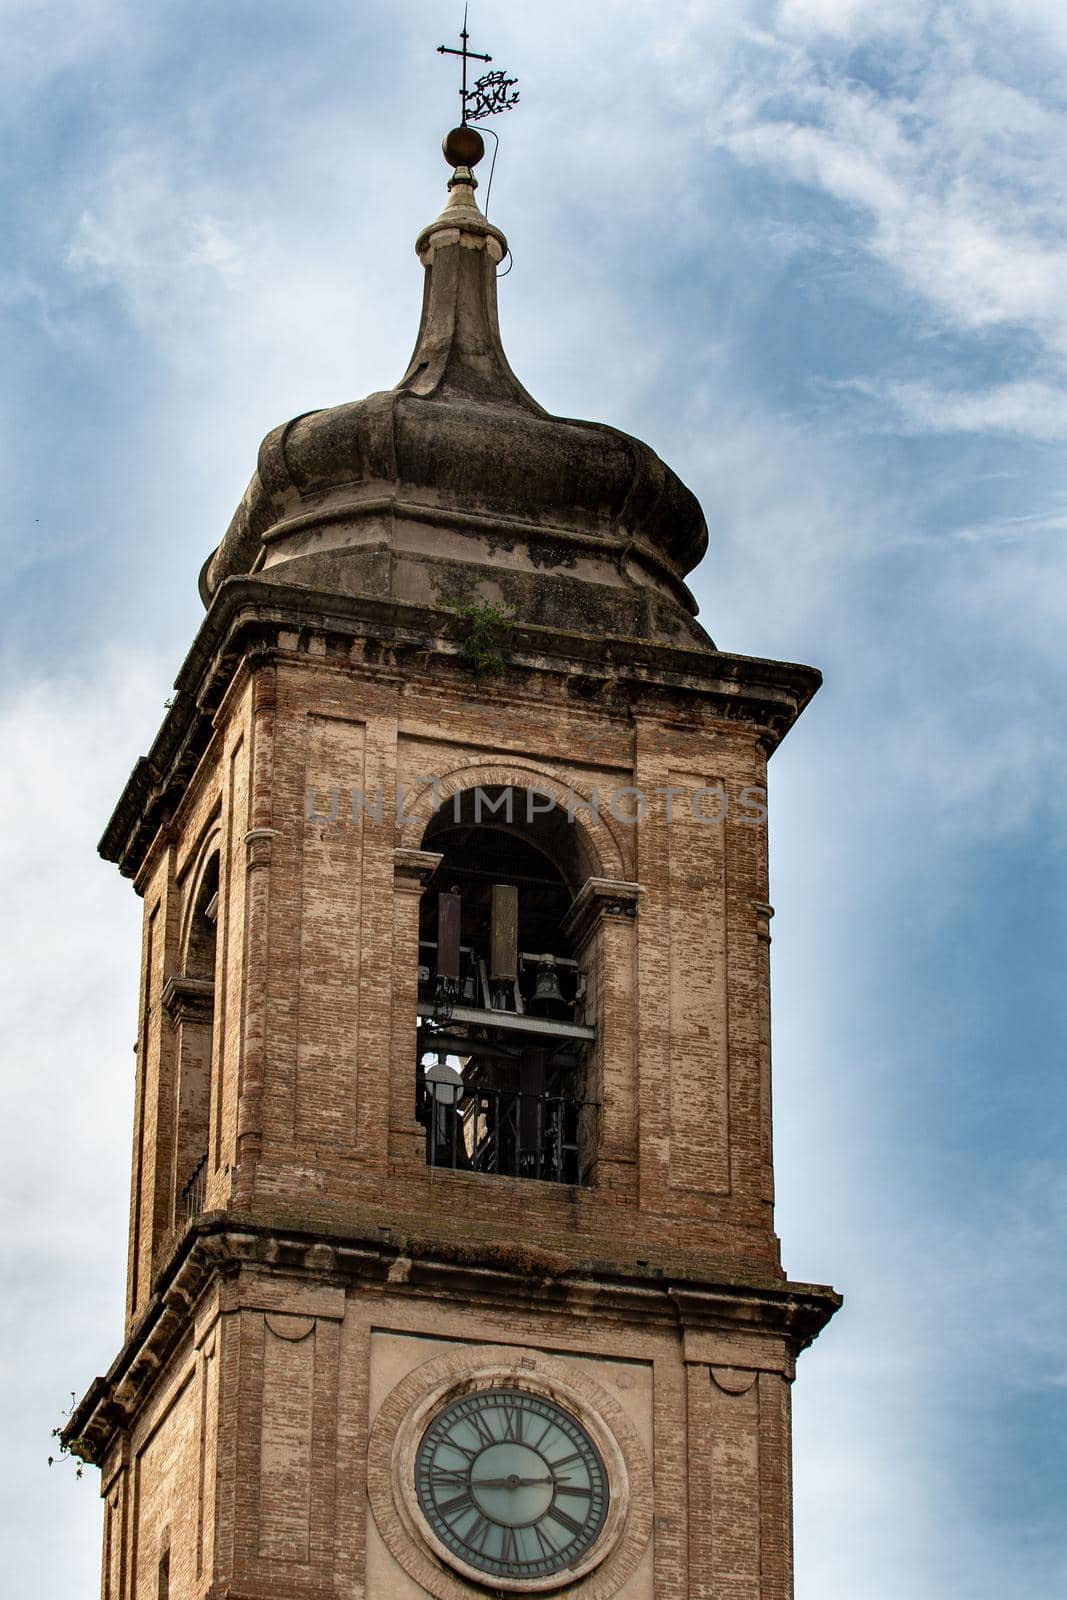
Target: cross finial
x,y
491,93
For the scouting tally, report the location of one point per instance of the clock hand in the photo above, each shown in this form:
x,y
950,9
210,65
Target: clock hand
x,y
507,1483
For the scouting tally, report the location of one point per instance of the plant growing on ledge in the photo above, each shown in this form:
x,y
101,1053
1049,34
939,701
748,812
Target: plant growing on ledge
x,y
488,630
69,1449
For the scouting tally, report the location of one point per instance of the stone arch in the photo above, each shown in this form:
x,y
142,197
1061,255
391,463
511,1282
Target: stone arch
x,y
598,844
506,944
190,999
208,859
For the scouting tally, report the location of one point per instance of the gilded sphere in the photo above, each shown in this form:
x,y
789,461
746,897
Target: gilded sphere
x,y
463,147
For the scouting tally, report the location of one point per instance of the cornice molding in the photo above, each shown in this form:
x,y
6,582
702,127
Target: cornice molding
x,y
600,897
188,1000
248,615
415,868
219,1247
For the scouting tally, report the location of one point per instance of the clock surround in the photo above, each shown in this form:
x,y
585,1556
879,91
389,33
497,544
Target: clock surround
x,y
407,1416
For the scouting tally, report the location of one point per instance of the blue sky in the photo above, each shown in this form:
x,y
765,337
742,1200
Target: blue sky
x,y
816,253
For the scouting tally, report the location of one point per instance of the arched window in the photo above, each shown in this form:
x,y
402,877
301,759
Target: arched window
x,y
193,1011
504,1038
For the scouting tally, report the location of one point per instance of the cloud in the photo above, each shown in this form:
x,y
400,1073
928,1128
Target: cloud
x,y
950,170
68,997
917,1346
1025,409
44,39
67,749
218,281
154,241
849,19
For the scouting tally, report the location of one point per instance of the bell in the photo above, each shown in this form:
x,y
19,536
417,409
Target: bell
x,y
547,996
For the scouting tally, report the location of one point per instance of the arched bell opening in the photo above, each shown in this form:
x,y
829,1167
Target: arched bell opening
x,y
192,1005
504,1039
202,943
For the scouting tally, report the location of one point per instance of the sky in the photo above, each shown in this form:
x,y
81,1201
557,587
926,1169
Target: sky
x,y
815,252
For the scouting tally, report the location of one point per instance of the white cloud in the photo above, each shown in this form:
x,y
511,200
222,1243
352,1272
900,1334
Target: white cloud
x,y
223,283
936,219
940,667
1026,409
953,171
952,1313
850,19
1018,597
67,751
151,244
45,38
69,1002
1031,26
158,234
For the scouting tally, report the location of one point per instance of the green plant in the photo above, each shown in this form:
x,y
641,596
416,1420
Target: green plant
x,y
488,629
69,1449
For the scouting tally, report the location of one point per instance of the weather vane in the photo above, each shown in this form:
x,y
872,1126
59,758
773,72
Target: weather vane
x,y
493,92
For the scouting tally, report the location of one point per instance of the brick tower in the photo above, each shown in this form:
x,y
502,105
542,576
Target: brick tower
x,y
452,1265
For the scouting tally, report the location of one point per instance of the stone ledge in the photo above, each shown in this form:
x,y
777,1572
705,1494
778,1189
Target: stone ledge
x,y
219,1246
188,1000
247,616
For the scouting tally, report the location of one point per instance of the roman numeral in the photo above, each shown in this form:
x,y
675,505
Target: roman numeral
x,y
482,1429
458,1504
565,1461
545,1545
566,1488
512,1423
564,1520
450,1444
446,1477
477,1534
510,1552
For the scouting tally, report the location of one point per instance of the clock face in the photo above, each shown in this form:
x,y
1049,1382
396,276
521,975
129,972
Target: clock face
x,y
511,1484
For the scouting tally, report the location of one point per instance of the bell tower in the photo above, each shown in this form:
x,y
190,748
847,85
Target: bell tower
x,y
452,1264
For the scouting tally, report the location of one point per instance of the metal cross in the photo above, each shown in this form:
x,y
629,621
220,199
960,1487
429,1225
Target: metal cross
x,y
467,55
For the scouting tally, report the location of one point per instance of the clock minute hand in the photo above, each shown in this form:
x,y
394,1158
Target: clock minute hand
x,y
507,1483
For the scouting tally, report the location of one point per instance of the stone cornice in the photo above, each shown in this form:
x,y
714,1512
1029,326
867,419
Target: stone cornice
x,y
248,615
218,1247
188,999
416,867
612,897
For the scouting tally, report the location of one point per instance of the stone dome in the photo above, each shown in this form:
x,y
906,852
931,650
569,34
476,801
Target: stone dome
x,y
457,483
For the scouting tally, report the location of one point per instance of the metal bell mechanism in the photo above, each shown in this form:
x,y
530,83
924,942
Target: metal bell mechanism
x,y
547,998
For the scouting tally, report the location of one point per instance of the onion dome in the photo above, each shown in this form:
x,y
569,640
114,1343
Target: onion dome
x,y
457,483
